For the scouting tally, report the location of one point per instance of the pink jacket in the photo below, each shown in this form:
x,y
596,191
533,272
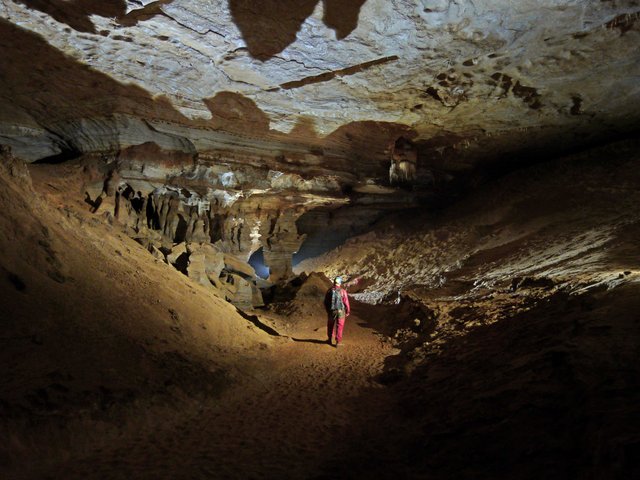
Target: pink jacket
x,y
345,299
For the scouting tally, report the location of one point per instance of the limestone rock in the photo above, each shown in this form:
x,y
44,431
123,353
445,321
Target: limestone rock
x,y
179,257
234,264
462,78
240,291
210,260
202,139
196,269
15,167
256,296
156,253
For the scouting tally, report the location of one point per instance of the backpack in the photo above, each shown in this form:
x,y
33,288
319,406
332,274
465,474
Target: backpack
x,y
336,299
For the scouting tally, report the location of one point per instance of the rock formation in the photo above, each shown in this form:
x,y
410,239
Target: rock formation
x,y
230,122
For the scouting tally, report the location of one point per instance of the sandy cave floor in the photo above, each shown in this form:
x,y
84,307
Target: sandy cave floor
x,y
284,419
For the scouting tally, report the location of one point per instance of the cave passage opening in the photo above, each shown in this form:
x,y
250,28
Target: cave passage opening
x,y
257,262
327,229
66,154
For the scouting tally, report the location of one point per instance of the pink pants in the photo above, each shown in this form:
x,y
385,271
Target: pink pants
x,y
335,327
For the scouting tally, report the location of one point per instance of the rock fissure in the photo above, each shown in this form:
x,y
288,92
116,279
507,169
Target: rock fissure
x,y
199,32
326,76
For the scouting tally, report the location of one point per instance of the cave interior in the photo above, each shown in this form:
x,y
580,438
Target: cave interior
x,y
182,182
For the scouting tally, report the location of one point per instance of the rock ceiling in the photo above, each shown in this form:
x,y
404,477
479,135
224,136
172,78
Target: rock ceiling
x,y
463,78
250,124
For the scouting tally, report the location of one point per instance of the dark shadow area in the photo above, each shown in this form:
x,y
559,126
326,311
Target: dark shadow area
x,y
325,229
623,254
310,340
368,143
342,16
530,155
467,170
182,263
270,26
54,87
181,229
216,227
47,94
143,151
387,318
63,156
234,112
16,281
550,393
267,26
76,13
256,321
153,217
93,203
137,202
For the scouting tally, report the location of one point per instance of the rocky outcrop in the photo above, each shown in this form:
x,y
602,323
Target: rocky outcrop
x,y
282,242
208,265
236,222
241,202
540,231
207,216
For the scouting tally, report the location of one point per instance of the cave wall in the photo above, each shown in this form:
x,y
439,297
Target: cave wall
x,y
234,119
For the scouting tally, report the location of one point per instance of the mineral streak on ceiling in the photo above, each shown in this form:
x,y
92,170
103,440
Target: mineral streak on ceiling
x,y
464,77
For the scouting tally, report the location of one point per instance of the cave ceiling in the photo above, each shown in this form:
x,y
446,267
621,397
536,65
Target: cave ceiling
x,y
459,77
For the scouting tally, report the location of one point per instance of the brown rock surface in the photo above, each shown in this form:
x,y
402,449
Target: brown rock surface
x,y
494,282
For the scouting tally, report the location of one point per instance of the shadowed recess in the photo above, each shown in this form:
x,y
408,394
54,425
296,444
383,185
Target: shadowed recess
x,y
235,112
342,16
36,78
374,138
76,13
270,26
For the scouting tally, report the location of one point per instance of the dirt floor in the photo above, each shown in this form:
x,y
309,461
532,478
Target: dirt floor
x,y
284,418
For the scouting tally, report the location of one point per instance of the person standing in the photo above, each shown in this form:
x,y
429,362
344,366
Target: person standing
x,y
338,309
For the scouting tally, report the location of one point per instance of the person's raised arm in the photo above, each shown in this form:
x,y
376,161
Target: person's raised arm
x,y
345,300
